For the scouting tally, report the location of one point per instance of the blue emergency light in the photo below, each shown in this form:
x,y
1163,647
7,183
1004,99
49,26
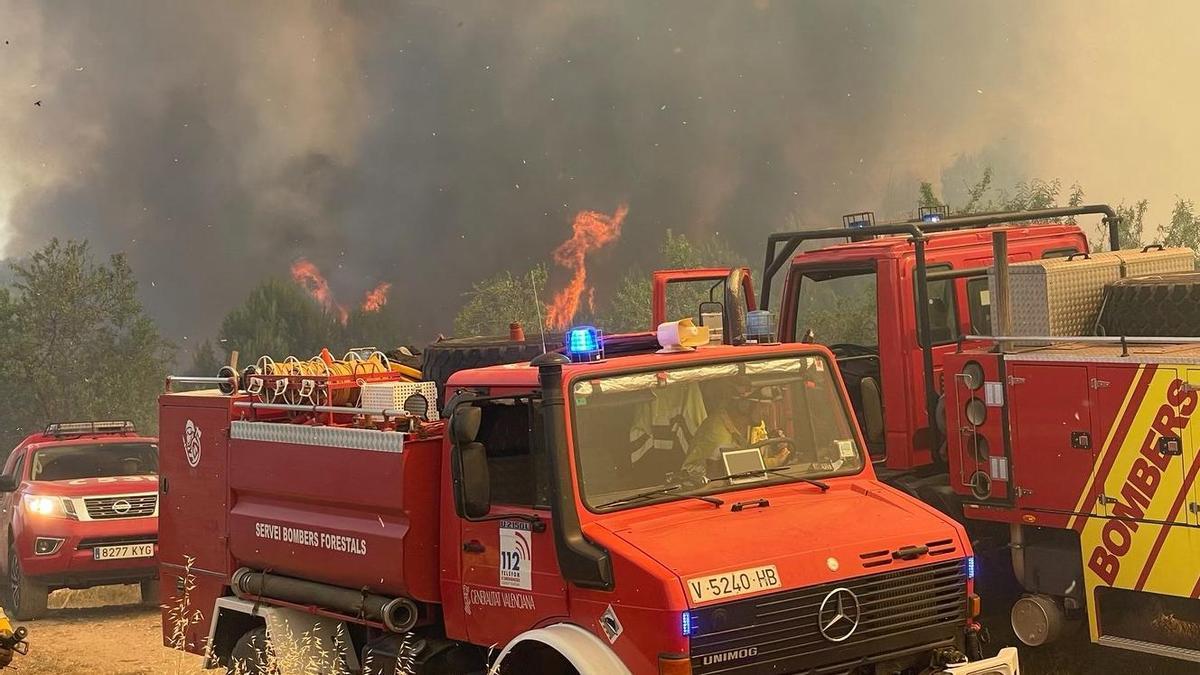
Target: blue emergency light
x,y
584,343
687,624
971,567
931,218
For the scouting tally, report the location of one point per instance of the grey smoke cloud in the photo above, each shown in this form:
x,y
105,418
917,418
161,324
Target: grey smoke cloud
x,y
430,144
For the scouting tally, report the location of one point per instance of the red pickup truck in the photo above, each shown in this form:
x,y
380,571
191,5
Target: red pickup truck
x,y
80,509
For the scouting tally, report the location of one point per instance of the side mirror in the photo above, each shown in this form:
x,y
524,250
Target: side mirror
x,y
464,424
8,483
476,485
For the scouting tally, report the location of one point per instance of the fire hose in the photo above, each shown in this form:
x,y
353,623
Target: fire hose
x,y
321,380
398,615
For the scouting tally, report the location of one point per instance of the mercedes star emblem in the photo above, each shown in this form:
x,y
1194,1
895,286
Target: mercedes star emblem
x,y
121,507
837,619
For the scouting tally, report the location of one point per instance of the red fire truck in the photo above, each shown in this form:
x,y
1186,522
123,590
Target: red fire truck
x,y
545,526
80,509
1086,448
1088,524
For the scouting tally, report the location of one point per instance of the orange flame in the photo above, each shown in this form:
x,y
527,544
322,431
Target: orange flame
x,y
590,231
376,298
309,277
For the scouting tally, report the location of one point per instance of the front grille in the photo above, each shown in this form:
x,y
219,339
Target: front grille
x,y
93,542
124,506
779,633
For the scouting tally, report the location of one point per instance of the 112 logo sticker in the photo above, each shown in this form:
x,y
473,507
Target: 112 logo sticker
x,y
516,556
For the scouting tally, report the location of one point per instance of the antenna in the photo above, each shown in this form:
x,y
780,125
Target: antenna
x,y
537,305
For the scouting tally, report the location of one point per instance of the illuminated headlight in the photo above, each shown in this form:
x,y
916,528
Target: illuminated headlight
x,y
44,506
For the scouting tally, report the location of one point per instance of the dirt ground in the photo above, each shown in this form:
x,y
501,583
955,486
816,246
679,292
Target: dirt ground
x,y
103,632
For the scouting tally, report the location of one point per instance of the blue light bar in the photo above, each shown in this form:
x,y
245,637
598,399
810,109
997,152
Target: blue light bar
x,y
971,567
584,343
931,218
856,224
687,624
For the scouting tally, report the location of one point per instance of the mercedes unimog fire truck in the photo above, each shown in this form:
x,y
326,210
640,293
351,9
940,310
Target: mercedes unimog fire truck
x,y
510,531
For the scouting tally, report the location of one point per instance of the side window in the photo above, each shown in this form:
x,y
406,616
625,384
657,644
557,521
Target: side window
x,y
18,467
979,302
511,434
1059,252
943,312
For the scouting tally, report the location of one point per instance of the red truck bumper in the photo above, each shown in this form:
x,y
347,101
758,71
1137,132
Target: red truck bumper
x,y
68,552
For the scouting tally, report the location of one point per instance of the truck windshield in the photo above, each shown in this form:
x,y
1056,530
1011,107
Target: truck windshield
x,y
99,460
838,307
677,432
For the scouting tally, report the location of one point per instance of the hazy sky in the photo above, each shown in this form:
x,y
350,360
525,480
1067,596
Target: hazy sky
x,y
430,144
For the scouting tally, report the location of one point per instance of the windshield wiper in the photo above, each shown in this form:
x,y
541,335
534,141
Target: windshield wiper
x,y
764,472
658,492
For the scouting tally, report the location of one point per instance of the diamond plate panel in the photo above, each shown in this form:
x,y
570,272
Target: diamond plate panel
x,y
330,437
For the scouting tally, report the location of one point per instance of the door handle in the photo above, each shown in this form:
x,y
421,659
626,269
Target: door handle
x,y
473,546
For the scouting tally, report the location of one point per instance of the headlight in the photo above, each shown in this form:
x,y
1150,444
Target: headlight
x,y
44,506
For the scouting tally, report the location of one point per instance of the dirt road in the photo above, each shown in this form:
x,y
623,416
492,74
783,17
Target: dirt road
x,y
101,632
94,636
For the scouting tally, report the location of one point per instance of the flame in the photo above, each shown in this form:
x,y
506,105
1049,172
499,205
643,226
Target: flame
x,y
376,298
309,277
590,231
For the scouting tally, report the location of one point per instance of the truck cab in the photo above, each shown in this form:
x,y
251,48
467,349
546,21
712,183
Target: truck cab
x,y
674,510
872,296
80,508
860,299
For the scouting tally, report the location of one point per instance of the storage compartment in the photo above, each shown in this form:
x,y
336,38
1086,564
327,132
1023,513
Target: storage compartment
x,y
358,509
1063,296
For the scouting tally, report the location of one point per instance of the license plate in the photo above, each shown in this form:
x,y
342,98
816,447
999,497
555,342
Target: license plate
x,y
123,552
730,584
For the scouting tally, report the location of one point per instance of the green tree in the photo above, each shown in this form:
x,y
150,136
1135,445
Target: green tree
x,y
1131,228
494,303
76,344
204,360
278,319
1184,226
927,198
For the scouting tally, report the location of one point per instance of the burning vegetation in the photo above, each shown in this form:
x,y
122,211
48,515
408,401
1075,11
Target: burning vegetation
x,y
591,230
309,277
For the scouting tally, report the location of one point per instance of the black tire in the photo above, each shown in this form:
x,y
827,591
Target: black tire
x,y
150,592
1162,305
442,359
250,654
26,598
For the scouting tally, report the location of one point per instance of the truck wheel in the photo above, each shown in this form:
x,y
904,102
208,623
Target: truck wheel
x,y
150,592
443,358
251,654
27,600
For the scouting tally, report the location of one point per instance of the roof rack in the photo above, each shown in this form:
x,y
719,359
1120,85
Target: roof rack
x,y
776,258
94,428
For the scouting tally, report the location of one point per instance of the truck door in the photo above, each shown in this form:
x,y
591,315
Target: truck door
x,y
193,453
676,294
511,581
1053,451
